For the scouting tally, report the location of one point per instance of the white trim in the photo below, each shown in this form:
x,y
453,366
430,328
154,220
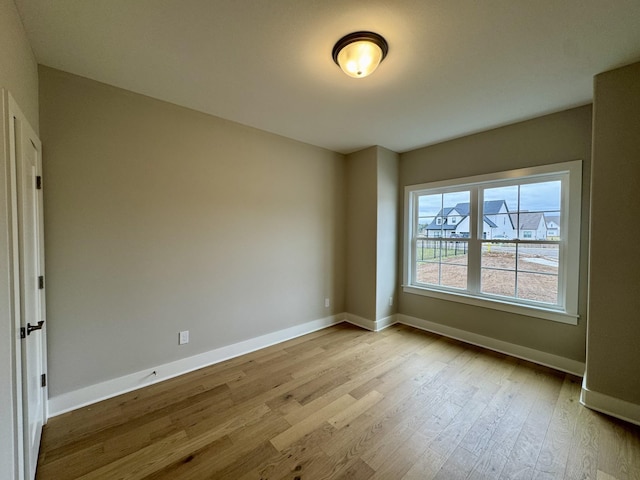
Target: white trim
x,y
10,294
386,322
495,304
110,388
536,356
615,407
371,325
360,322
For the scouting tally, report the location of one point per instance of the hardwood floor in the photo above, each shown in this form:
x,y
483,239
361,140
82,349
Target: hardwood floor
x,y
344,403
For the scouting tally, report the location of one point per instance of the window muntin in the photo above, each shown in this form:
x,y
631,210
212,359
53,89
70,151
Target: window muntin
x,y
513,241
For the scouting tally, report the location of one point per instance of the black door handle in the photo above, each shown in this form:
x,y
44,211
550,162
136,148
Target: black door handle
x,y
31,328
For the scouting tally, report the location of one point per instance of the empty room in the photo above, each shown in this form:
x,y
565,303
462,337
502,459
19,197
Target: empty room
x,y
296,239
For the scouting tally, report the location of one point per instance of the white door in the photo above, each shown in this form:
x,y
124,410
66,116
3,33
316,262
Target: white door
x,y
26,149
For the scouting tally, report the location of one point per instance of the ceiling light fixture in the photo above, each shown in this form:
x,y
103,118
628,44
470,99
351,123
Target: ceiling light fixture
x,y
359,54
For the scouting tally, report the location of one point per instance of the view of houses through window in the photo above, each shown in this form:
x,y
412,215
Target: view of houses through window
x,y
518,239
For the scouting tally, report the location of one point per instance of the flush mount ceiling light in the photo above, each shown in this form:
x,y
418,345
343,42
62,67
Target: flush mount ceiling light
x,y
359,54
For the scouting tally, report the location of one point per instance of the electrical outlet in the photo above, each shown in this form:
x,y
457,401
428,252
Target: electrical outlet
x,y
327,303
391,301
183,337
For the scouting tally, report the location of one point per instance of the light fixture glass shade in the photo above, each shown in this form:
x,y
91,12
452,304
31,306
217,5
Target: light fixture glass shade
x,y
359,54
359,59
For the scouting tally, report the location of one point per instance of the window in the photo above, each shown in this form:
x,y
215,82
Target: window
x,y
500,255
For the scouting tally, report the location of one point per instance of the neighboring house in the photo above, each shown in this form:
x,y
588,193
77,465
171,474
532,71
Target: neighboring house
x,y
553,227
532,225
453,222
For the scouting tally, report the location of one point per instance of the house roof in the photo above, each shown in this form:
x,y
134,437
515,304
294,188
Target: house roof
x,y
552,218
489,222
491,207
528,220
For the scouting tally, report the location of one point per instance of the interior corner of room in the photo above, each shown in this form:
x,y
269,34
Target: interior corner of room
x,y
160,219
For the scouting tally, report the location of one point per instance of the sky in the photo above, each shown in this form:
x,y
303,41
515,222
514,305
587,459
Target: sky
x,y
544,196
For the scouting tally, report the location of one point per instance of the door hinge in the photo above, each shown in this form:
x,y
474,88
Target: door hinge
x,y
23,332
38,182
43,380
40,282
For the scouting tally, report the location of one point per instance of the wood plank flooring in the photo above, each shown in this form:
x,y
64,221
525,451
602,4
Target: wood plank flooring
x,y
344,403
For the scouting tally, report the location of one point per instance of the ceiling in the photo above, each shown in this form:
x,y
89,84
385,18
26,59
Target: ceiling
x,y
454,66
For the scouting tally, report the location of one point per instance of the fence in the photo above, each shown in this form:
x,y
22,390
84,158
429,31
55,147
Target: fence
x,y
429,249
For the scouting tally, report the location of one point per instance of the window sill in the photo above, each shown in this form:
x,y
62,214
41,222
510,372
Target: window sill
x,y
530,311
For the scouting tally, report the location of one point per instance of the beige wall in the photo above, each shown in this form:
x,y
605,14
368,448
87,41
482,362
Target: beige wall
x,y
18,75
613,356
387,228
160,219
550,139
372,219
18,67
362,230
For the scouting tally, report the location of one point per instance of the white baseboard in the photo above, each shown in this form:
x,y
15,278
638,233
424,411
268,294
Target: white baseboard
x,y
110,388
627,411
372,325
386,322
536,356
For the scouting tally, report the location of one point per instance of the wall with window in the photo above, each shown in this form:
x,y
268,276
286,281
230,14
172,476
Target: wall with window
x,y
554,138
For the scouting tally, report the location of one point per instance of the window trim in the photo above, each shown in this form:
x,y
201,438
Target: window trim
x,y
568,274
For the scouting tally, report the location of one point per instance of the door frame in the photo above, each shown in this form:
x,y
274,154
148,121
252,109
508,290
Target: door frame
x,y
10,291
22,139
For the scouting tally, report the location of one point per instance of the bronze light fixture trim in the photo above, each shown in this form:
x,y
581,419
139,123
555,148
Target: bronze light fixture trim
x,y
359,53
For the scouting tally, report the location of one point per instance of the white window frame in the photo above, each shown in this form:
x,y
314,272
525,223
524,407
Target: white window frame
x,y
570,173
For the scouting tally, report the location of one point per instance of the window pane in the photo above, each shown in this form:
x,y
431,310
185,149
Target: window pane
x,y
429,216
541,258
553,225
494,196
498,282
499,227
428,272
538,197
454,264
454,252
442,262
531,226
538,287
444,215
454,276
497,221
501,255
539,202
427,250
538,272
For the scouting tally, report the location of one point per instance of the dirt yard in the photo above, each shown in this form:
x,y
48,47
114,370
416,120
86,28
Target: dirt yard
x,y
533,284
